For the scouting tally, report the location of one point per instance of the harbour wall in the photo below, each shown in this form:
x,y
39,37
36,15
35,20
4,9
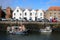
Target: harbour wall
x,y
34,26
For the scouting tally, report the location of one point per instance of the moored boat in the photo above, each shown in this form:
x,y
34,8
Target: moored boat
x,y
47,29
17,29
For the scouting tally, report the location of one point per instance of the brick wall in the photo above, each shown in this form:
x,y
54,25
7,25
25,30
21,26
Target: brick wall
x,y
8,13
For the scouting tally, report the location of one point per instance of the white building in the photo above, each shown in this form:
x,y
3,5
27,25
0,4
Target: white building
x,y
17,14
26,14
32,15
40,14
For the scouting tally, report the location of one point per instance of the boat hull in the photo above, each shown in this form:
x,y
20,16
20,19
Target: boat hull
x,y
46,30
23,32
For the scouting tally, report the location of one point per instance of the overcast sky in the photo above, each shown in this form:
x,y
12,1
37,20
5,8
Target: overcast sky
x,y
32,4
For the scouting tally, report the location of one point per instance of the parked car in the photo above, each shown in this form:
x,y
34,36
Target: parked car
x,y
54,20
45,20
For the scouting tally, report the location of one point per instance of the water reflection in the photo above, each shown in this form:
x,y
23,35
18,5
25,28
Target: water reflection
x,y
32,36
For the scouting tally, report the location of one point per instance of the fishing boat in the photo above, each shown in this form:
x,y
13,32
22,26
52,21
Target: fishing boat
x,y
47,29
17,30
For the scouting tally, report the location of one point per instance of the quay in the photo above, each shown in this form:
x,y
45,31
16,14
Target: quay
x,y
29,25
18,22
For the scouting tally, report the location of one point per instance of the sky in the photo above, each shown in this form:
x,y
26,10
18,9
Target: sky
x,y
30,4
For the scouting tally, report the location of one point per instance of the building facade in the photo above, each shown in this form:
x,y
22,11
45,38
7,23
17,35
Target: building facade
x,y
2,13
32,15
26,14
40,14
8,13
53,12
17,14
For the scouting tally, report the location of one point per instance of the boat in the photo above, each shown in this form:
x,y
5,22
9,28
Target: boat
x,y
17,30
46,30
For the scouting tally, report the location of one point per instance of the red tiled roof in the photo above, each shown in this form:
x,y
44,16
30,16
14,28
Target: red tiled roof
x,y
55,8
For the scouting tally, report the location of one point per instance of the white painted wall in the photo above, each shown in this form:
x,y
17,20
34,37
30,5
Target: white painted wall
x,y
27,12
39,14
33,14
17,14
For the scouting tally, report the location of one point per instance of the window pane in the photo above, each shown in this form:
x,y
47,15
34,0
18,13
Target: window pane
x,y
30,14
40,14
54,14
19,17
30,18
50,14
59,13
14,17
17,10
14,13
40,17
20,13
25,14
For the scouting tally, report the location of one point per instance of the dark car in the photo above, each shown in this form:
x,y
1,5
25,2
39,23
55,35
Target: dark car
x,y
45,20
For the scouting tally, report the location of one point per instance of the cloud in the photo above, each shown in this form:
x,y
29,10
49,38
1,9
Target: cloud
x,y
52,1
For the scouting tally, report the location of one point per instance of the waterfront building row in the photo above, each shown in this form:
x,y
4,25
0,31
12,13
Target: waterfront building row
x,y
27,14
31,14
53,12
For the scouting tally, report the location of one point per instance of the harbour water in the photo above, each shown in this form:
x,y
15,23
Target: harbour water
x,y
31,36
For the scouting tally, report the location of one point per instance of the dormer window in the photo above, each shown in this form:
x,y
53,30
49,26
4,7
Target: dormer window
x,y
30,14
14,13
19,17
25,14
20,13
14,17
17,10
40,14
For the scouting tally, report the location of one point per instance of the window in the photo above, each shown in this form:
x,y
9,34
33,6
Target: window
x,y
59,13
14,13
40,17
40,14
25,18
54,14
25,14
17,10
35,13
30,18
20,13
30,14
14,17
50,14
19,17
